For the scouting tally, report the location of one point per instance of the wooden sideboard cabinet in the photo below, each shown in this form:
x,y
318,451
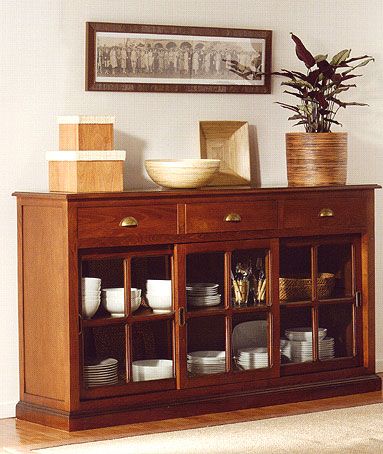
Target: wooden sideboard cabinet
x,y
311,253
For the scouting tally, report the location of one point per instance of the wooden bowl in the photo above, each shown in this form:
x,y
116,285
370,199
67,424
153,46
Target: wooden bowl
x,y
182,173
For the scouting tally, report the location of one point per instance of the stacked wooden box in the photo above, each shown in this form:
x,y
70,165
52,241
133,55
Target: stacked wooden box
x,y
86,161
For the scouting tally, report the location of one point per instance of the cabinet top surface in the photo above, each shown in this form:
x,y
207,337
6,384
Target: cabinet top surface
x,y
203,192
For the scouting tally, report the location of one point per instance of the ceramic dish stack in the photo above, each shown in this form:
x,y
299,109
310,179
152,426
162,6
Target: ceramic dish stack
x,y
113,300
251,334
300,344
159,295
253,358
101,372
152,369
206,362
203,294
90,295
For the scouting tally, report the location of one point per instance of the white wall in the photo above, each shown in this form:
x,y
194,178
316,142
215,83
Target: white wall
x,y
42,76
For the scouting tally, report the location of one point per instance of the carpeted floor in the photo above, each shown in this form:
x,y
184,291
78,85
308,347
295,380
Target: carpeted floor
x,y
357,430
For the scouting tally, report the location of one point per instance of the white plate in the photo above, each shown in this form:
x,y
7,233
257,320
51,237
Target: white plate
x,y
249,335
101,362
208,354
304,333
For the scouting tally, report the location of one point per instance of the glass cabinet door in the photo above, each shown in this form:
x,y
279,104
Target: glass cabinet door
x,y
320,317
226,311
126,310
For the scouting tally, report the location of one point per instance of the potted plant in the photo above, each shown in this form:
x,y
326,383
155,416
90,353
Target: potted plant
x,y
317,156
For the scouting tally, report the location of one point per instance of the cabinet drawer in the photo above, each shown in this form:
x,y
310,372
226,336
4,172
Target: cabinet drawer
x,y
324,212
109,221
230,216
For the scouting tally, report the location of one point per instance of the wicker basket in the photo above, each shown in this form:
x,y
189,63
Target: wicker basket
x,y
293,289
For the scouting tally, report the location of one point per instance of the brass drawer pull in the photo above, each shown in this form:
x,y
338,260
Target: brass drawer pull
x,y
326,213
129,221
233,217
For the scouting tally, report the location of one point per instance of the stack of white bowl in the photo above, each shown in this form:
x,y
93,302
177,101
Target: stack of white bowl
x,y
253,357
159,295
113,300
206,362
152,369
90,295
101,372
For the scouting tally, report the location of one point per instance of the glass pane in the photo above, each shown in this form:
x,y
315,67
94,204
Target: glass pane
x,y
249,277
104,356
99,275
337,319
335,271
152,350
296,335
250,341
295,274
205,280
151,281
206,345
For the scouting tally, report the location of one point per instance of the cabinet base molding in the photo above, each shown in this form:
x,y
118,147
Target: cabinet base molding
x,y
72,421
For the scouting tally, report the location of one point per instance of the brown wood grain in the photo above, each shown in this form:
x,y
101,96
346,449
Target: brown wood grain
x,y
57,233
210,217
105,221
86,136
86,176
347,212
316,159
45,305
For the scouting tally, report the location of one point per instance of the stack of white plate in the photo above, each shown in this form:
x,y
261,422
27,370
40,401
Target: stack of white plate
x,y
90,295
206,362
301,351
298,347
203,294
253,358
101,372
152,369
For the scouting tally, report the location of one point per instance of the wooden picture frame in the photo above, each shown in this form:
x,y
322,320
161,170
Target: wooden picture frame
x,y
164,58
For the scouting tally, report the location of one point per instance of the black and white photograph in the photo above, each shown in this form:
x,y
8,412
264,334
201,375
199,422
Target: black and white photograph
x,y
142,61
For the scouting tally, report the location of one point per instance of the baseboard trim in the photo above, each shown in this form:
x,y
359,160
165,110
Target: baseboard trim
x,y
253,398
379,366
8,409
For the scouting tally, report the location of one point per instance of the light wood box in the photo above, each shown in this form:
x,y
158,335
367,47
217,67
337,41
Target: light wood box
x,y
86,176
229,142
86,171
86,133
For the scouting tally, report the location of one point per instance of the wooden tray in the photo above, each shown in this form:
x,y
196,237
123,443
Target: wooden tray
x,y
229,142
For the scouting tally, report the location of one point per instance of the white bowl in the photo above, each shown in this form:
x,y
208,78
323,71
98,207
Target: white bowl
x,y
113,302
182,173
152,369
90,284
89,307
304,334
160,304
158,283
91,293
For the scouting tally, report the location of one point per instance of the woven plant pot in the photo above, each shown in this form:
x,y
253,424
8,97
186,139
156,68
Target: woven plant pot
x,y
316,159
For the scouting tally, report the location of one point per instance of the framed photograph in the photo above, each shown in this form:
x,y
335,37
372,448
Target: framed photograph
x,y
163,58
